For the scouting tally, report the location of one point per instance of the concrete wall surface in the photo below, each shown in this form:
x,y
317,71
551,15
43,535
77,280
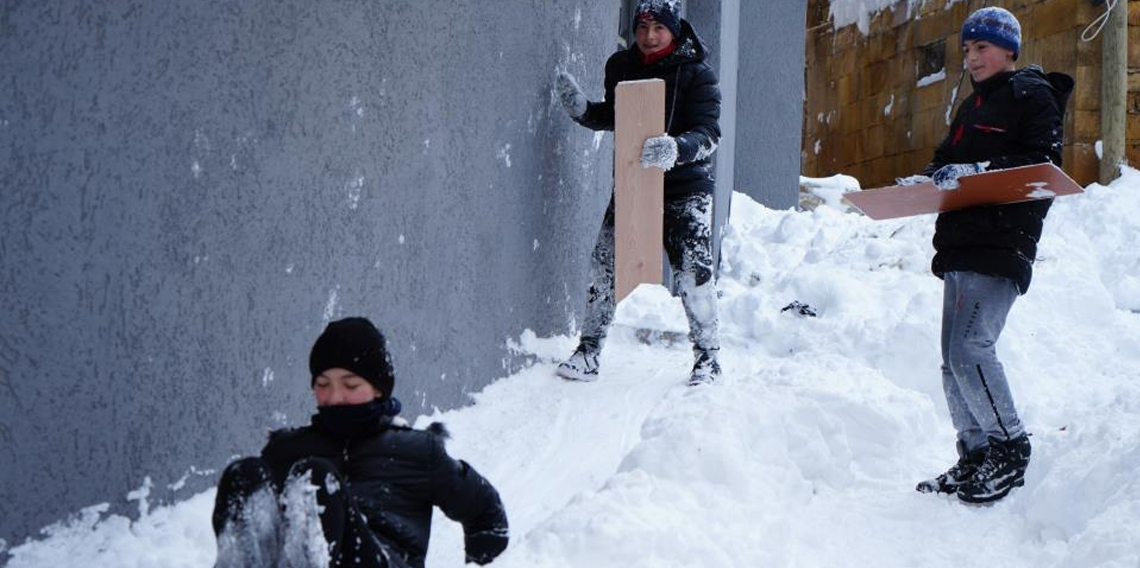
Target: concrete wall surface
x,y
191,189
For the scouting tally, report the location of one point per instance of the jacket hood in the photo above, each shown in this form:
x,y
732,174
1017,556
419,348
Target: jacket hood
x,y
1060,85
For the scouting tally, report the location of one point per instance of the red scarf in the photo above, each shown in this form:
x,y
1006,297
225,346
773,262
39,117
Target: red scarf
x,y
651,58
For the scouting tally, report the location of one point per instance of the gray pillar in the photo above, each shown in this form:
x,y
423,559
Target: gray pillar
x,y
717,22
770,97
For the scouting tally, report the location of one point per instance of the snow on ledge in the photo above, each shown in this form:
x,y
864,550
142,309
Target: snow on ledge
x,y
932,78
859,12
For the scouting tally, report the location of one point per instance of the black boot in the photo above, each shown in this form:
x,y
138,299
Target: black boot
x,y
958,473
1002,469
706,369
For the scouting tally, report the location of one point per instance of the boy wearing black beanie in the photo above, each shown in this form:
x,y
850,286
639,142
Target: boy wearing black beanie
x,y
357,477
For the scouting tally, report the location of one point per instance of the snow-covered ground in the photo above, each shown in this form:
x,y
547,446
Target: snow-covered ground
x,y
806,454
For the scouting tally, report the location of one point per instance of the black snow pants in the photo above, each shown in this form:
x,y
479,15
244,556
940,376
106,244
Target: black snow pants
x,y
688,244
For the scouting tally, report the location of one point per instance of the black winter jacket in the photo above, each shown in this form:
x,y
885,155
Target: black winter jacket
x,y
692,107
396,474
1012,119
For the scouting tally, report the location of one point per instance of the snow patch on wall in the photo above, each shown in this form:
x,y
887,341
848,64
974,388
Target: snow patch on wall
x,y
860,12
504,155
331,305
355,187
931,79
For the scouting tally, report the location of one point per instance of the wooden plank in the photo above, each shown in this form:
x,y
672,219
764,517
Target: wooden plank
x,y
639,192
1014,185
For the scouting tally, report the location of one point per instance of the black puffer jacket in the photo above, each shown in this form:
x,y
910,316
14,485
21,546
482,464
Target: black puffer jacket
x,y
396,474
1012,119
692,107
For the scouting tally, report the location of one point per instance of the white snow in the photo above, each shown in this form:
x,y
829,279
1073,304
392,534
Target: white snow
x,y
931,79
949,118
860,12
830,190
807,452
355,187
306,539
504,155
331,305
1040,190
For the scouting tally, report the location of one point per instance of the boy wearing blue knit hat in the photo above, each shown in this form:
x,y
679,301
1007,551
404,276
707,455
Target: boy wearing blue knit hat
x,y
985,254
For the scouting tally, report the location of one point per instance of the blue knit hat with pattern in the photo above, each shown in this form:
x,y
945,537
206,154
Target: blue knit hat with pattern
x,y
664,12
995,25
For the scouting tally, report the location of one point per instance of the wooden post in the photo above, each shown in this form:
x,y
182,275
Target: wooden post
x,y
639,193
1114,91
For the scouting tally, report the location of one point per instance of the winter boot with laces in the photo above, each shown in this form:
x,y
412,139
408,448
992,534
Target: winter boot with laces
x,y
582,365
1002,469
706,369
958,473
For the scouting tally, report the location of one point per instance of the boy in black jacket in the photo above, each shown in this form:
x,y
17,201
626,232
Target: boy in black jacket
x,y
357,486
666,48
985,254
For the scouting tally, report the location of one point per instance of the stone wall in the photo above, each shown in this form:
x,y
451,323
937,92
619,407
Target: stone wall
x,y
866,116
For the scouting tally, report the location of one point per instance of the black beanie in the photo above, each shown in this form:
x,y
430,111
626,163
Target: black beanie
x,y
356,345
664,12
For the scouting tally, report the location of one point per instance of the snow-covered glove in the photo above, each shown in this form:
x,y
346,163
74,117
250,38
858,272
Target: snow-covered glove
x,y
571,95
946,177
913,180
659,152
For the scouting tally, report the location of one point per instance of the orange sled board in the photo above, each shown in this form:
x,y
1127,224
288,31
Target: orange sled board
x,y
1025,183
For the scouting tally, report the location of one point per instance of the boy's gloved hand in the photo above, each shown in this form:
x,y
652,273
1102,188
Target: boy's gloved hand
x,y
482,548
659,152
573,100
913,180
947,176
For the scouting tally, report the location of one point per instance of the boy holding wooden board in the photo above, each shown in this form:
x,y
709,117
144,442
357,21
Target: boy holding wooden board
x,y
985,254
666,48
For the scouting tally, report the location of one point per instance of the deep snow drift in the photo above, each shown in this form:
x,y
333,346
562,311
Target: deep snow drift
x,y
806,454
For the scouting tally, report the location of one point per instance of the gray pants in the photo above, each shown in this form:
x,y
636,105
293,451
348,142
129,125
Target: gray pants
x,y
688,243
974,309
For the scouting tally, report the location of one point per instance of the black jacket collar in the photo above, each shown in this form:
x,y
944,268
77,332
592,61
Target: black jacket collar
x,y
993,83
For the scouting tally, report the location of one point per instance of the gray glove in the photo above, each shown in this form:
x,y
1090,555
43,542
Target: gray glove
x,y
946,177
659,152
573,100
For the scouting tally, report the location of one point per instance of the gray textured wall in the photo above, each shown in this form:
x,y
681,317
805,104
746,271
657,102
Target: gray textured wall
x,y
769,99
192,188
